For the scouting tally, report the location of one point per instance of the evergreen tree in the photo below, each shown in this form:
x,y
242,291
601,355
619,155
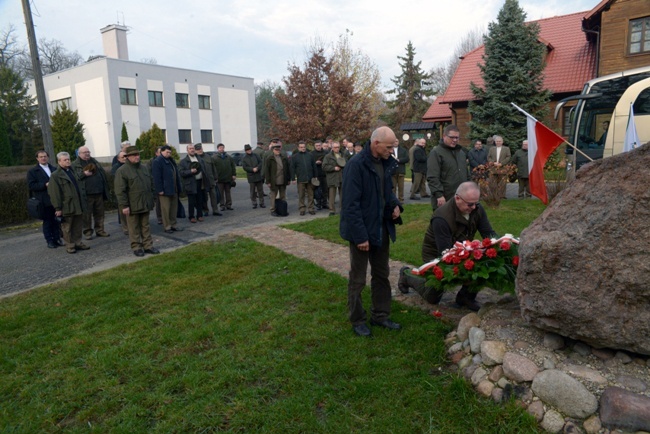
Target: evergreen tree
x,y
264,98
67,131
412,91
19,116
149,140
512,72
5,146
125,134
318,102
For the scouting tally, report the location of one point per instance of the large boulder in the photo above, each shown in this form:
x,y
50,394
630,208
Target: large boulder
x,y
584,268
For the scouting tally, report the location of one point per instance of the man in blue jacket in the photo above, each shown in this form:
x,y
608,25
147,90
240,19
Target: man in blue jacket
x,y
368,216
167,185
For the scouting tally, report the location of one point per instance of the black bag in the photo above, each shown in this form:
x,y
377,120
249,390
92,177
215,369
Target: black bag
x,y
35,208
281,208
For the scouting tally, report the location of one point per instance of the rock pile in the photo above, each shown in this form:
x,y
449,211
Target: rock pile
x,y
567,385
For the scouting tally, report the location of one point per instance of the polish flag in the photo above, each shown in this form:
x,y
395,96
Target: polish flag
x,y
541,143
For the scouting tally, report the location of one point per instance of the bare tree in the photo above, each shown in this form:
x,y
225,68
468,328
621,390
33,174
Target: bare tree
x,y
441,75
10,50
53,56
149,60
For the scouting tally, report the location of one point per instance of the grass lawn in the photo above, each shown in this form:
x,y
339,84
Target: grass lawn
x,y
226,336
511,217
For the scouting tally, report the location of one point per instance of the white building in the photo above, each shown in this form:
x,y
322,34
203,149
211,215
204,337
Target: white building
x,y
189,106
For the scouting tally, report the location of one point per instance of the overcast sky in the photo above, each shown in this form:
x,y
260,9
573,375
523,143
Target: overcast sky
x,y
255,38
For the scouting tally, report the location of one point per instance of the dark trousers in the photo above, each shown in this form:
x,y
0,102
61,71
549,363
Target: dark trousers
x,y
51,228
418,284
324,192
195,201
380,289
226,199
257,192
95,211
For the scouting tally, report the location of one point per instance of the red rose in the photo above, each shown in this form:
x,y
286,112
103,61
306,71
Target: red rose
x,y
491,253
505,245
475,244
463,254
487,242
469,264
437,271
515,261
478,254
448,259
455,270
436,313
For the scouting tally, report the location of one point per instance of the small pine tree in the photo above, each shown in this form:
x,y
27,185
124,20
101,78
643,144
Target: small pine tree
x,y
411,91
67,131
5,145
149,140
512,72
125,134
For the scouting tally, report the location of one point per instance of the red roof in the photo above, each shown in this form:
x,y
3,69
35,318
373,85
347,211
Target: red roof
x,y
570,61
438,112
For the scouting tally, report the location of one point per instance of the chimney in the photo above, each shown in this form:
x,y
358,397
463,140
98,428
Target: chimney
x,y
114,39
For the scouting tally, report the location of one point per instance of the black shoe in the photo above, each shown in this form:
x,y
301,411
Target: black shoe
x,y
138,252
387,324
177,229
414,198
302,213
169,231
229,208
362,330
82,246
318,208
401,282
52,245
262,205
312,212
216,213
466,298
275,214
254,206
223,208
152,251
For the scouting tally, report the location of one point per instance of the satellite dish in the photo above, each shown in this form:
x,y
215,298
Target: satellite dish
x,y
405,137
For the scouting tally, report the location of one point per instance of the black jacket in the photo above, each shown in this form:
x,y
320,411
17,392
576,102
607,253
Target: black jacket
x,y
36,180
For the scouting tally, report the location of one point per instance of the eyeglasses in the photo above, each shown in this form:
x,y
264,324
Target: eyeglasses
x,y
454,137
469,204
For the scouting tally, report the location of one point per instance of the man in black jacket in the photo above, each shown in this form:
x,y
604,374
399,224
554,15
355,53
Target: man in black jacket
x,y
38,177
457,220
303,169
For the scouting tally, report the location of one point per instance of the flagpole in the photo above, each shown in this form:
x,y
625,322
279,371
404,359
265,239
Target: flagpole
x,y
530,116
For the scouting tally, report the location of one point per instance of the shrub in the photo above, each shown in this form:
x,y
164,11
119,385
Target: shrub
x,y
493,179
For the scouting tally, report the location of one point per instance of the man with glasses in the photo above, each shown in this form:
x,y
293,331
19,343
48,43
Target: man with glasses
x,y
446,167
457,220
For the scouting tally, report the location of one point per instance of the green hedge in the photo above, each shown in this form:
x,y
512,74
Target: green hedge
x,y
14,194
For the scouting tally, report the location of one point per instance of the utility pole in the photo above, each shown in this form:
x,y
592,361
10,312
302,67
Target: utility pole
x,y
38,81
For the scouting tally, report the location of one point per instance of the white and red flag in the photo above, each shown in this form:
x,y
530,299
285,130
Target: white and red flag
x,y
542,141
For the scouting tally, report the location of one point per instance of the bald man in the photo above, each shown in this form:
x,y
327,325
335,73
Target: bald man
x,y
369,213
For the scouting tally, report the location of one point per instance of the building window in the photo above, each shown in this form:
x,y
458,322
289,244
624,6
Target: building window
x,y
206,136
127,96
204,102
639,36
155,98
182,100
185,136
59,103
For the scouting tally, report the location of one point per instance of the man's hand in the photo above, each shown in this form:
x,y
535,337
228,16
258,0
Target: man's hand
x,y
364,247
441,201
58,213
126,211
88,173
234,178
254,169
161,193
192,170
396,212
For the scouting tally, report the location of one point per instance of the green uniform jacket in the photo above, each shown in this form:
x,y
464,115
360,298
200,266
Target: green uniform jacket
x,y
225,167
446,170
271,170
248,163
134,188
521,160
210,170
303,166
78,166
334,178
63,193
